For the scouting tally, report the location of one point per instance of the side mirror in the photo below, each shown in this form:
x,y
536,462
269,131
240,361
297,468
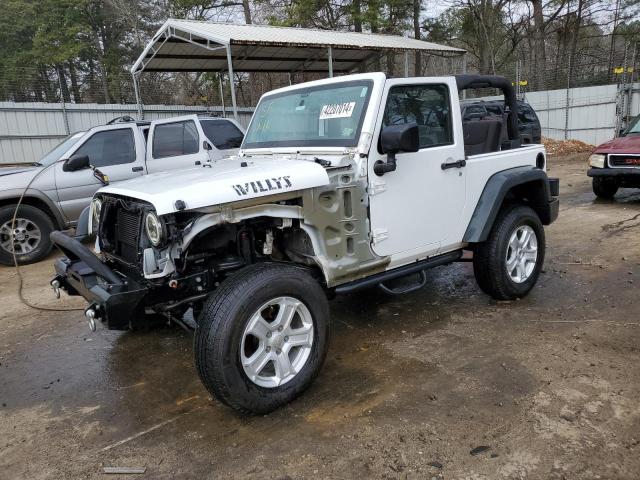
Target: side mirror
x,y
396,139
206,146
75,163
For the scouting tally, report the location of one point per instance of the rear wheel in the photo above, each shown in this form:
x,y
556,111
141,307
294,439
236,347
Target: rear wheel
x,y
262,337
28,235
604,187
508,263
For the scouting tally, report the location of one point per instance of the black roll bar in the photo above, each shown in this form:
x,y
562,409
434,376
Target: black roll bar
x,y
465,82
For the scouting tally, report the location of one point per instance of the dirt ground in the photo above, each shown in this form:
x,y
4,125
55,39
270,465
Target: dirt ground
x,y
442,383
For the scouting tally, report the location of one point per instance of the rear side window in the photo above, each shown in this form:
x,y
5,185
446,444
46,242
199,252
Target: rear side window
x,y
222,133
426,105
111,147
177,138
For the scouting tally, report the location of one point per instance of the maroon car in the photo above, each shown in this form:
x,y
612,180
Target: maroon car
x,y
616,163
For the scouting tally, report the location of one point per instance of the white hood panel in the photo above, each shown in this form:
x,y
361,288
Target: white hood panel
x,y
225,182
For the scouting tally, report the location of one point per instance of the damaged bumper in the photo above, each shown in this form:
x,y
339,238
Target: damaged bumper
x,y
113,299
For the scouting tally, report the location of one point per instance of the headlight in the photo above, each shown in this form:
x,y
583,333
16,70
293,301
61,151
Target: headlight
x,y
154,229
94,214
597,160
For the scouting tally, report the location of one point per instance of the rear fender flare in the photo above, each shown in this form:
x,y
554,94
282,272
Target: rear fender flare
x,y
495,192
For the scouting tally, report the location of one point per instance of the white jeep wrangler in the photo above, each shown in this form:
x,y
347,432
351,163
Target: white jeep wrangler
x,y
340,184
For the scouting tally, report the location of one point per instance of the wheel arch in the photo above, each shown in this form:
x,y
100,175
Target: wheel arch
x,y
526,185
39,203
287,213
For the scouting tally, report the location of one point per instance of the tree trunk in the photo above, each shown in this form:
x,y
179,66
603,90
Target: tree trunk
x,y
612,47
247,12
104,82
75,88
49,91
539,49
417,7
64,87
574,43
357,15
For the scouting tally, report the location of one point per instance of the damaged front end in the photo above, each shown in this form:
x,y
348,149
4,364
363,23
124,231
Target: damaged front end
x,y
151,267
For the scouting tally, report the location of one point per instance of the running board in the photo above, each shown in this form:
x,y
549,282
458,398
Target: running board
x,y
399,272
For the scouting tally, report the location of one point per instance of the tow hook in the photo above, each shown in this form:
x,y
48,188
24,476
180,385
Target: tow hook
x,y
91,315
55,284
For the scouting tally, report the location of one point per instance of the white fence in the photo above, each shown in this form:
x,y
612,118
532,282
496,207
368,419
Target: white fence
x,y
29,130
591,113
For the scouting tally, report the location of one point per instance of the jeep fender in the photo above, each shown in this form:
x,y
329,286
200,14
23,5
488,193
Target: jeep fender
x,y
528,183
82,227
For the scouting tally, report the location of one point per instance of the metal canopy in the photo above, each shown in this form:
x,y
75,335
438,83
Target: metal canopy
x,y
198,46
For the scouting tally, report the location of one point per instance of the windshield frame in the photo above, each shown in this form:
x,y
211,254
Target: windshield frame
x,y
635,121
366,82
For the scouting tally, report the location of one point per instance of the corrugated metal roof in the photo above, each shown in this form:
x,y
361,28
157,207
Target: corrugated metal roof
x,y
189,45
261,34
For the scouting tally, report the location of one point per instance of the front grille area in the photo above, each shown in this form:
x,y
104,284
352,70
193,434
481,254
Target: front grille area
x,y
128,234
121,228
629,161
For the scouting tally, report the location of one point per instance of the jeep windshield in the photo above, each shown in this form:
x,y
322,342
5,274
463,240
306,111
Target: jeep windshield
x,y
321,116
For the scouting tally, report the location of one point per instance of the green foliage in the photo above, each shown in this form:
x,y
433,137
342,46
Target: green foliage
x,y
80,50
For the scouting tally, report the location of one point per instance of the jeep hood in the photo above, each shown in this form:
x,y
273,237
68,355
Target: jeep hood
x,y
225,181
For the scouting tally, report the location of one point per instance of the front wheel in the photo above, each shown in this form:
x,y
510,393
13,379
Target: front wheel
x,y
28,236
262,337
604,187
508,263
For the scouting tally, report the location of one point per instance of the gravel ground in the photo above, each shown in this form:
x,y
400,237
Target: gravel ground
x,y
442,383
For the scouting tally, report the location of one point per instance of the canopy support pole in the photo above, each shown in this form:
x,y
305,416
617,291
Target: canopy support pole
x,y
464,72
136,89
406,63
232,83
330,62
224,112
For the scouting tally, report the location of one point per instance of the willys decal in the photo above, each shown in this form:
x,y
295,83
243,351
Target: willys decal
x,y
266,185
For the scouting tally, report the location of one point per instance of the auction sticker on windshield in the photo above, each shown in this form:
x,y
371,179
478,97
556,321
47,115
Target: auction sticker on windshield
x,y
337,110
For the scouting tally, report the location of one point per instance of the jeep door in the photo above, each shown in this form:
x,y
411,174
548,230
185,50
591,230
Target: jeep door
x,y
176,143
118,151
414,210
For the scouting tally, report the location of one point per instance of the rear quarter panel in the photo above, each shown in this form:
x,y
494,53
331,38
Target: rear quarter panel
x,y
481,167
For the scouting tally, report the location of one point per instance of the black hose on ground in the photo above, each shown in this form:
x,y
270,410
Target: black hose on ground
x,y
15,259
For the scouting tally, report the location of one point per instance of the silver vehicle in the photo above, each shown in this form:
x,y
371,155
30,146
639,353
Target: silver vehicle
x,y
55,199
340,184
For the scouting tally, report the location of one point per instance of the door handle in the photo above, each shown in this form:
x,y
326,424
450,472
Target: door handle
x,y
457,164
137,169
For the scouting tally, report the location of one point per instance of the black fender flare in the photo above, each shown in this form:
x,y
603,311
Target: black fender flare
x,y
494,193
82,227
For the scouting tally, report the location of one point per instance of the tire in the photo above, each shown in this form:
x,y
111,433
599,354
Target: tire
x,y
490,258
223,327
604,187
30,221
